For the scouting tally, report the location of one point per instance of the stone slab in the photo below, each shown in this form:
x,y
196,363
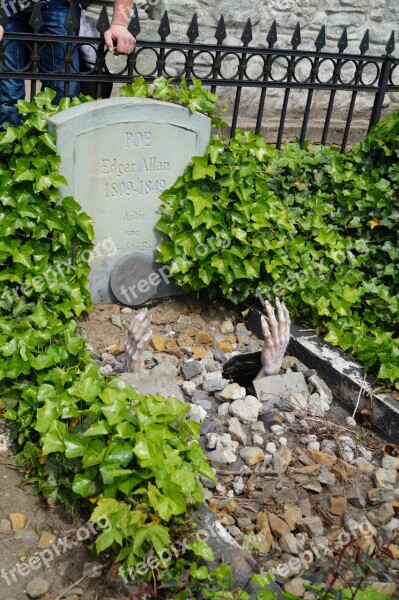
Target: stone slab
x,y
270,389
117,156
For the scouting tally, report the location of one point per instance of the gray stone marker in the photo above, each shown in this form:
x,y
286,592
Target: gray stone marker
x,y
118,155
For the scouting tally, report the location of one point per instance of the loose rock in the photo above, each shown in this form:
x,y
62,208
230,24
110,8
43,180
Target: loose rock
x,y
252,455
246,410
37,587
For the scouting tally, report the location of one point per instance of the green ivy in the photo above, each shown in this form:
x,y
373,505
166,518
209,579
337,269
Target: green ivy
x,y
86,440
314,226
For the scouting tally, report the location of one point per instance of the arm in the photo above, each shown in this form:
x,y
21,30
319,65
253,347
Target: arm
x,y
138,334
118,33
276,333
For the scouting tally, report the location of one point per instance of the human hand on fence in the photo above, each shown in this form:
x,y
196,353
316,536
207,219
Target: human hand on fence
x,y
138,335
1,33
276,333
119,40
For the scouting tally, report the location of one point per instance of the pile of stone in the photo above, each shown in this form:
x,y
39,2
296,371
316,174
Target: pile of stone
x,y
293,482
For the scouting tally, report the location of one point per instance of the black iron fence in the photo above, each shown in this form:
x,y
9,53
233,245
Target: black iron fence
x,y
219,66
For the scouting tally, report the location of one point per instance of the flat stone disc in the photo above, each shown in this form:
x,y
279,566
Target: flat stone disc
x,y
137,277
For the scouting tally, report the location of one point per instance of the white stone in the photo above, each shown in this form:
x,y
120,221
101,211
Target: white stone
x,y
211,441
188,387
246,410
257,440
227,326
223,409
314,446
283,441
238,394
116,157
322,389
271,447
277,430
236,431
197,413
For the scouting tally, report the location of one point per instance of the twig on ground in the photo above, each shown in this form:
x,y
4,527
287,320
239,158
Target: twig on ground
x,y
360,395
75,583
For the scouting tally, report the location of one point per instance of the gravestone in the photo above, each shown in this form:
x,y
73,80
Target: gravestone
x,y
117,156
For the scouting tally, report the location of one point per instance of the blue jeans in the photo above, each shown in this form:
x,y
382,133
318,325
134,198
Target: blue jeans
x,y
51,58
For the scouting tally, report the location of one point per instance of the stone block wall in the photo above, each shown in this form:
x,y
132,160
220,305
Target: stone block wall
x,y
379,16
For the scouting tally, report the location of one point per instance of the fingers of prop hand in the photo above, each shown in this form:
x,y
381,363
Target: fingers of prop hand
x,y
272,320
1,33
125,42
287,323
280,319
109,40
144,339
265,330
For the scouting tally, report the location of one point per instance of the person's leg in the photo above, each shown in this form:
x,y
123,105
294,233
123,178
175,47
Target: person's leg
x,y
52,56
12,90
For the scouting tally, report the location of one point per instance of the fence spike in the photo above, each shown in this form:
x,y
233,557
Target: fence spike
x,y
164,27
3,16
247,37
296,38
71,23
343,40
321,39
271,37
36,20
134,24
365,43
103,21
391,44
192,31
220,33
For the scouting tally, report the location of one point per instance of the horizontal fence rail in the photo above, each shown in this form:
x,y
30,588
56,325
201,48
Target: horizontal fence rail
x,y
220,66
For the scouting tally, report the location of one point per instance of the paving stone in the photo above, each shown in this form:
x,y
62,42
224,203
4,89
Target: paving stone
x,y
322,458
291,515
356,498
18,520
280,386
281,460
322,389
227,326
385,478
37,587
189,387
252,455
228,390
380,495
202,399
246,410
277,525
313,526
337,505
236,431
191,369
381,515
288,543
214,382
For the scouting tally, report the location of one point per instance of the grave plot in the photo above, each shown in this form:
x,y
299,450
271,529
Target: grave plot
x,y
296,482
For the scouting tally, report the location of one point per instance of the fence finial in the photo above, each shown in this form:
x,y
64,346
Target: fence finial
x,y
134,24
390,47
103,21
343,40
247,37
71,23
321,39
296,38
164,27
36,20
220,33
192,31
271,37
365,43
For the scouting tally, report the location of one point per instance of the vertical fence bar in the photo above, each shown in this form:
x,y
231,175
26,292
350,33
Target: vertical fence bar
x,y
383,82
163,32
246,38
271,40
296,40
364,46
220,35
192,34
342,45
36,22
319,43
101,26
135,29
71,25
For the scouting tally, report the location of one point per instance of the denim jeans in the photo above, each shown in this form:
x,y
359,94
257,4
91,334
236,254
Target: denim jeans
x,y
51,58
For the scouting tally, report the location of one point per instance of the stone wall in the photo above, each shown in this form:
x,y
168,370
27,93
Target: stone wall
x,y
379,16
